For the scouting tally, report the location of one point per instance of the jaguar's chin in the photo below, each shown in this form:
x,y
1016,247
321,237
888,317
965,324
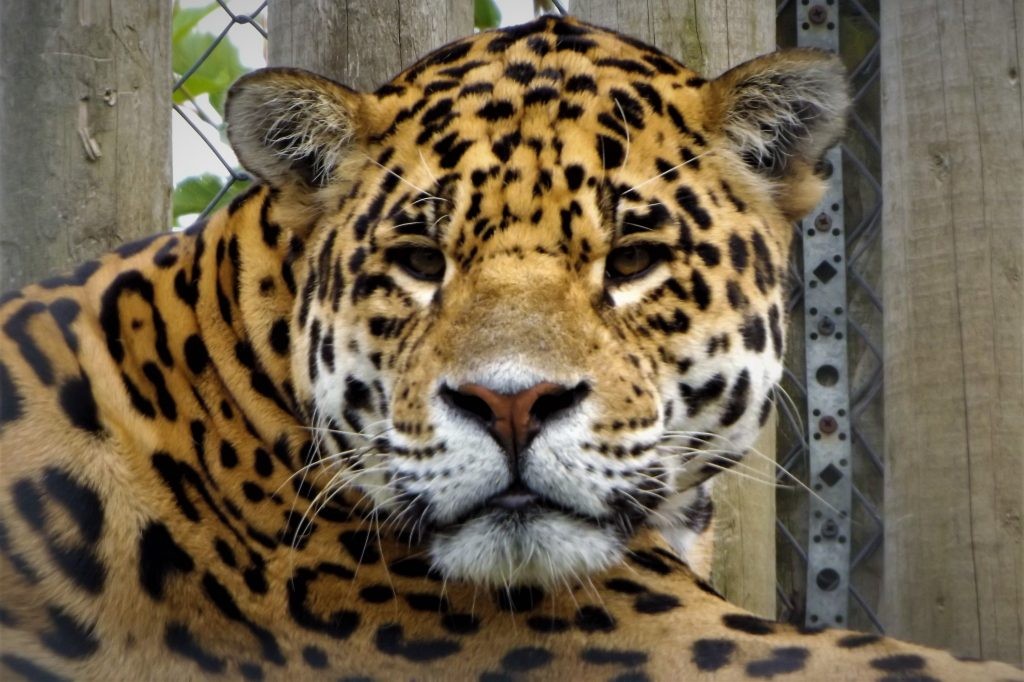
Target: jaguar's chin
x,y
546,548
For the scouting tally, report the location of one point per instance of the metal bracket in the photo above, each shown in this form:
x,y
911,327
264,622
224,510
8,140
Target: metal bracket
x,y
828,392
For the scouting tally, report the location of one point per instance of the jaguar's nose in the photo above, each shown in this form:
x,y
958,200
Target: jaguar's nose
x,y
514,419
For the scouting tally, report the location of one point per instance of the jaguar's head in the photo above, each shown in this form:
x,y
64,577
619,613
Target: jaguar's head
x,y
545,279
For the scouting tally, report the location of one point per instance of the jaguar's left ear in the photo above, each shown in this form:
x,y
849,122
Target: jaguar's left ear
x,y
780,113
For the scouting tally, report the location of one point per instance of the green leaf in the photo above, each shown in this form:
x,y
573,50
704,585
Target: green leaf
x,y
184,20
194,194
486,14
219,70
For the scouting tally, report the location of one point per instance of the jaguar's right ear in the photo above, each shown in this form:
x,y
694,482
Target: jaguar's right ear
x,y
292,127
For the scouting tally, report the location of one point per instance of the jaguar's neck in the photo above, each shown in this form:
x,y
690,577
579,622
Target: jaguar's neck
x,y
248,268
248,271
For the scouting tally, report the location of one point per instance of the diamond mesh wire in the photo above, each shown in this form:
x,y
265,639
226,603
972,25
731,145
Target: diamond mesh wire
x,y
859,48
861,152
194,114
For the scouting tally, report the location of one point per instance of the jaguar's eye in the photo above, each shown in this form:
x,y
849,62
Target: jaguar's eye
x,y
419,261
630,262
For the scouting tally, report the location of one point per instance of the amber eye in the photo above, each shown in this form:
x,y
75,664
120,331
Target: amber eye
x,y
630,262
420,262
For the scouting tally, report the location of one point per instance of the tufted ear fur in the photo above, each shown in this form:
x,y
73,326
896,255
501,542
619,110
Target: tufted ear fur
x,y
291,127
780,113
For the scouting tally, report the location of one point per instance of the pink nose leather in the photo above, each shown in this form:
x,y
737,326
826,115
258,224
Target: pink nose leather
x,y
514,425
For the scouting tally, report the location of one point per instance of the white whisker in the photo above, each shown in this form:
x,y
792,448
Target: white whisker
x,y
625,127
400,178
663,173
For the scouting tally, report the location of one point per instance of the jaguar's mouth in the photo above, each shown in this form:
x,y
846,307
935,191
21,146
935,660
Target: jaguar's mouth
x,y
519,503
517,498
519,535
531,543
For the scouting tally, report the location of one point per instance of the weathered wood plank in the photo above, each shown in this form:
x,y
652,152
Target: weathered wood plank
x,y
954,324
85,130
709,36
362,44
744,560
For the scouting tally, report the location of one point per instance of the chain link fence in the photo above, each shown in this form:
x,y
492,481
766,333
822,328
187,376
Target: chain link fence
x,y
858,37
210,63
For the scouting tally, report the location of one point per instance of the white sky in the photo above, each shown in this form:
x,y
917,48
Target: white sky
x,y
191,156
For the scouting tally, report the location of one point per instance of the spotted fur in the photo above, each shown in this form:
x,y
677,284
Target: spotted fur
x,y
270,447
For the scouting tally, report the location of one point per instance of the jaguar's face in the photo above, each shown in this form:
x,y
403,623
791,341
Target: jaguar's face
x,y
550,302
541,370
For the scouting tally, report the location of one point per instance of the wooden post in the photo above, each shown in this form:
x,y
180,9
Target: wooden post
x,y
85,130
954,324
363,44
710,36
744,561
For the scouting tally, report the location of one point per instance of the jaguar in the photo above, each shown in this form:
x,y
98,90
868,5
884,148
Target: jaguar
x,y
439,397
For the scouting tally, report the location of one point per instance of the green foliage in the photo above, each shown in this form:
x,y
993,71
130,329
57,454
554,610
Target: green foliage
x,y
486,14
194,194
184,20
213,77
219,70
